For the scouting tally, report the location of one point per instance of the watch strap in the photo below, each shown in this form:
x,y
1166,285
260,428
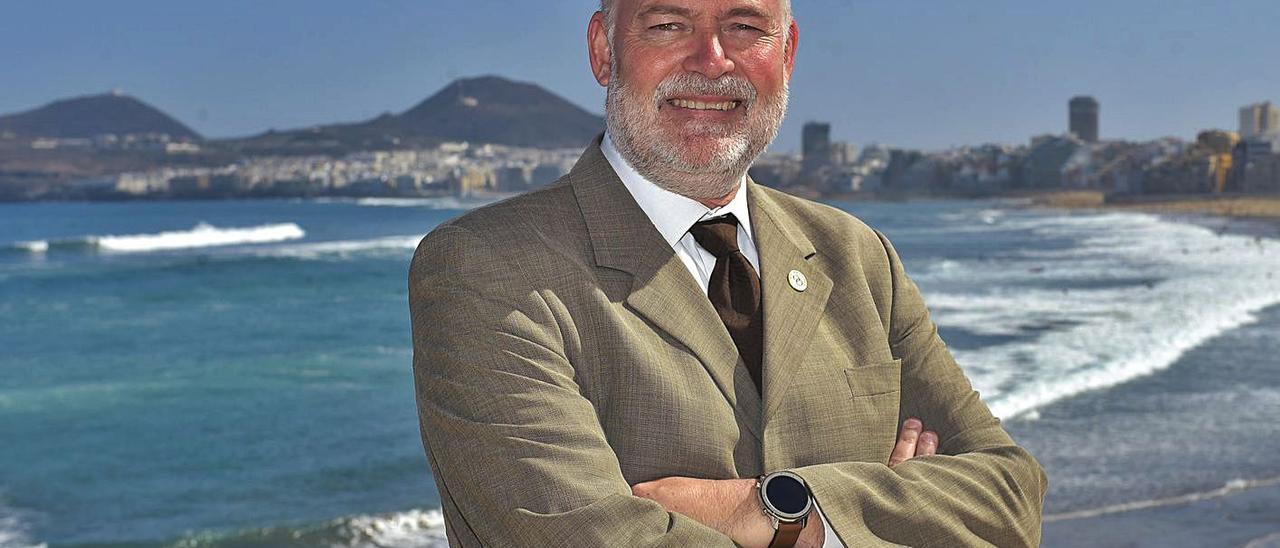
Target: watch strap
x,y
786,535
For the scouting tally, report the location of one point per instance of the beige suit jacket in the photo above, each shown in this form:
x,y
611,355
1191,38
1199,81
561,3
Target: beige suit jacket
x,y
563,352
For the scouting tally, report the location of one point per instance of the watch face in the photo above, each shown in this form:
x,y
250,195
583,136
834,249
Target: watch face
x,y
787,495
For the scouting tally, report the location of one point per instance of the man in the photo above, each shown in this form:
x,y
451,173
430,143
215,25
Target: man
x,y
616,359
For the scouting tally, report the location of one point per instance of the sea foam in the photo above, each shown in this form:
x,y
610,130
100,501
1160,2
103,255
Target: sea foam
x,y
409,529
15,527
1134,294
424,528
445,202
342,249
37,246
201,235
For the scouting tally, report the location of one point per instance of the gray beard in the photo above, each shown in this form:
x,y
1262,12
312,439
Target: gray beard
x,y
661,161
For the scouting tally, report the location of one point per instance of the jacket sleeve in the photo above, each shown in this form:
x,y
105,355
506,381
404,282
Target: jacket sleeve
x,y
517,453
980,489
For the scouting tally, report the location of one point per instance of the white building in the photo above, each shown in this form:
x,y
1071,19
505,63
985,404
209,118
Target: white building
x,y
1259,119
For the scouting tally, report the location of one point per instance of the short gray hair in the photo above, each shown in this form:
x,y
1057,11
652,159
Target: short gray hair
x,y
611,18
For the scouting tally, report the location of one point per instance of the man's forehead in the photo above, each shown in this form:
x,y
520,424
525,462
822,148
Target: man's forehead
x,y
736,8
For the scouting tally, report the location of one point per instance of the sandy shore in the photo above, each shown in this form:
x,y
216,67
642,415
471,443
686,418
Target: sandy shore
x,y
1235,206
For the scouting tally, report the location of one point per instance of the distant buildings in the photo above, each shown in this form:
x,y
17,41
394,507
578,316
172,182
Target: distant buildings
x,y
1083,118
456,169
816,146
1046,163
1201,168
1217,161
1219,146
148,142
1257,163
825,166
1259,119
1043,162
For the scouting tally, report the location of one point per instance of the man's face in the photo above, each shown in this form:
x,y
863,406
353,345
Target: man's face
x,y
695,86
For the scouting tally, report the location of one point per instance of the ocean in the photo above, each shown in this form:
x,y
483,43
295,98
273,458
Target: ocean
x,y
238,373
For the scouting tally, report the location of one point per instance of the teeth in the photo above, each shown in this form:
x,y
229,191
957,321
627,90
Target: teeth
x,y
699,105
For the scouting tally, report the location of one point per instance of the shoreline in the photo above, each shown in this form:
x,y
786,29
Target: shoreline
x,y
1249,215
1236,206
1241,206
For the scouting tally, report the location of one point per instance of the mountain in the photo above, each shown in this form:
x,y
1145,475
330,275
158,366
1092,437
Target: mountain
x,y
92,115
487,109
491,109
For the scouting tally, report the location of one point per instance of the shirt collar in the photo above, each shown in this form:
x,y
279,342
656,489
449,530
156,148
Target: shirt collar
x,y
672,213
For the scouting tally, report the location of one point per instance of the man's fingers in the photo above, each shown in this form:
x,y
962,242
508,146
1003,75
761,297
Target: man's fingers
x,y
928,443
907,438
644,489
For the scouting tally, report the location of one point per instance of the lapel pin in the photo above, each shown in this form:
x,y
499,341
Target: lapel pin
x,y
797,280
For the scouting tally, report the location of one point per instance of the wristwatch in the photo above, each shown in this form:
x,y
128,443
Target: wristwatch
x,y
787,502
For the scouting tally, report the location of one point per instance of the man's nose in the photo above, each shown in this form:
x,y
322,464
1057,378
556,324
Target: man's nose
x,y
708,57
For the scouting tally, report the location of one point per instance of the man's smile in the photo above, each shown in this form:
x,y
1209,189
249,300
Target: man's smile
x,y
692,104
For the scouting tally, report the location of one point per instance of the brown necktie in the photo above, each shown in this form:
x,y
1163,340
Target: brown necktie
x,y
734,290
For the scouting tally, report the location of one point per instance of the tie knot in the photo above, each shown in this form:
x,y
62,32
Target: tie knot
x,y
718,235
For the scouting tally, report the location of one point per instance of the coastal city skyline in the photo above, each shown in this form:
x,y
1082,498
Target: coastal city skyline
x,y
492,136
877,73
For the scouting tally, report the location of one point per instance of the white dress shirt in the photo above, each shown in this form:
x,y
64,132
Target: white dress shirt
x,y
673,215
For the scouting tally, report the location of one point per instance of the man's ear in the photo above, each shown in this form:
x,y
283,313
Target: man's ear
x,y
793,42
598,49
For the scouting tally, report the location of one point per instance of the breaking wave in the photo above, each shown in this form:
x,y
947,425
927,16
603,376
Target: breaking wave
x,y
37,246
15,527
1132,295
342,248
201,235
410,529
446,202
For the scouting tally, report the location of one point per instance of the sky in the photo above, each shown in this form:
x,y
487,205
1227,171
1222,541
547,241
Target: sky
x,y
909,73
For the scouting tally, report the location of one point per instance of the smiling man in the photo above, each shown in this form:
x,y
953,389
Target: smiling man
x,y
657,351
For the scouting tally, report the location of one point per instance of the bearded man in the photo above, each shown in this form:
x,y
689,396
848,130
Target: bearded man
x,y
657,351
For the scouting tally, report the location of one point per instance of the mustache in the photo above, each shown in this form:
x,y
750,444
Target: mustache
x,y
691,83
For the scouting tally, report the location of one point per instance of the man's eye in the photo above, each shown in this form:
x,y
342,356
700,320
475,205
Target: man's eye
x,y
745,28
666,27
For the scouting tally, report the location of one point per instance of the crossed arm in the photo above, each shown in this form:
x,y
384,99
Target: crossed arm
x,y
976,487
732,506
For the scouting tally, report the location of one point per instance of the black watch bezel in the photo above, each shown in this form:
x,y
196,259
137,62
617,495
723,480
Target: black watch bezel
x,y
784,479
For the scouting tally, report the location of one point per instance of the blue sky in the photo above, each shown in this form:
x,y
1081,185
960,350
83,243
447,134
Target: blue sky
x,y
922,74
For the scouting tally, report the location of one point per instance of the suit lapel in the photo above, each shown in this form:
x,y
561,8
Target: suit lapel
x,y
662,290
790,316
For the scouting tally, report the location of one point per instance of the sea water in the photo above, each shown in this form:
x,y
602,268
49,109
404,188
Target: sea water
x,y
239,372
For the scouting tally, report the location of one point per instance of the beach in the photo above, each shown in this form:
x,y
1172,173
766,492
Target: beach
x,y
1235,206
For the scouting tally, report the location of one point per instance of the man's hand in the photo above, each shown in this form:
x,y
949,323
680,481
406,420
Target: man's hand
x,y
730,506
913,441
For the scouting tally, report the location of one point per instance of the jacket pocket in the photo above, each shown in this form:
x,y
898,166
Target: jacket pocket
x,y
870,380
